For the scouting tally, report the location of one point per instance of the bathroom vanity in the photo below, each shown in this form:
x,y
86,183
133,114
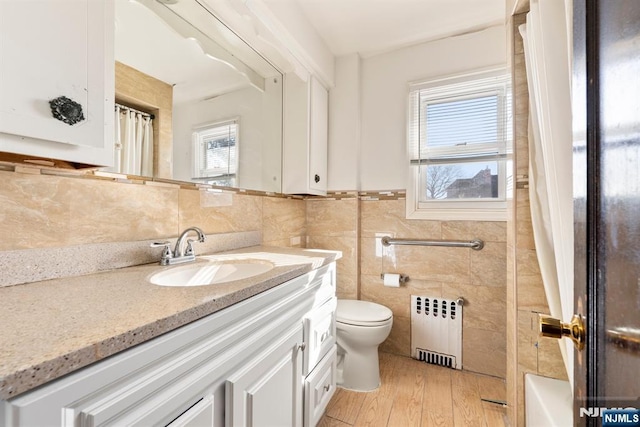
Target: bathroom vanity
x,y
257,351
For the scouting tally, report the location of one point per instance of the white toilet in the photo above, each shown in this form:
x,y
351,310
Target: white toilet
x,y
361,326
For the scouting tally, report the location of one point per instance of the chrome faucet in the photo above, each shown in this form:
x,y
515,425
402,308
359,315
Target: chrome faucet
x,y
180,254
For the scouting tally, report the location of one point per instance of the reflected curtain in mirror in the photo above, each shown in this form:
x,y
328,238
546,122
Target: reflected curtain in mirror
x,y
133,142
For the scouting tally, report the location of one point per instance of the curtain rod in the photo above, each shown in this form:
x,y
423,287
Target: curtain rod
x,y
124,107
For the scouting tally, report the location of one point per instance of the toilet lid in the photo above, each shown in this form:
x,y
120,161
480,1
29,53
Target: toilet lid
x,y
363,313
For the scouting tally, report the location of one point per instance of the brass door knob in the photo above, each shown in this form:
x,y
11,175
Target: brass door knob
x,y
555,328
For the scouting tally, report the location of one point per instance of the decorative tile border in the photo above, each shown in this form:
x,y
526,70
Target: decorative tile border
x,y
362,195
383,195
335,195
522,181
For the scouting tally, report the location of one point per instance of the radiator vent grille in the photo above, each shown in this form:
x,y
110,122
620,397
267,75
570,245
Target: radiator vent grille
x,y
436,358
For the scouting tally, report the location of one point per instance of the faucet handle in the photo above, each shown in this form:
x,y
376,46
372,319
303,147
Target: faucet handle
x,y
166,244
166,253
189,250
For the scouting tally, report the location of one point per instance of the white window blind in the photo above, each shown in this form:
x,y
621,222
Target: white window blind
x,y
459,120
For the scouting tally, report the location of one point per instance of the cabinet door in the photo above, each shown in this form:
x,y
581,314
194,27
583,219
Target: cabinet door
x,y
305,136
295,166
318,134
52,49
199,415
319,387
267,391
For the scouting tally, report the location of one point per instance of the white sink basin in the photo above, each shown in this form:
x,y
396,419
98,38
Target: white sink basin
x,y
209,273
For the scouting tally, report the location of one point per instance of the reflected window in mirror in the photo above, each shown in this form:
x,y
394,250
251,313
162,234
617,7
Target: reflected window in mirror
x,y
215,149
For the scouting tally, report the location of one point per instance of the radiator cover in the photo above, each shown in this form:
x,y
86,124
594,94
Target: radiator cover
x,y
436,331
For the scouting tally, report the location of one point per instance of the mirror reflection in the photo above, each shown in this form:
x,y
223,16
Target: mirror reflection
x,y
193,101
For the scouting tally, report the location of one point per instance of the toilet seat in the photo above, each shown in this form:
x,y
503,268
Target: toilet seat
x,y
362,313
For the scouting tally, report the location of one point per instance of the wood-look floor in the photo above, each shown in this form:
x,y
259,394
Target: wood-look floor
x,y
417,394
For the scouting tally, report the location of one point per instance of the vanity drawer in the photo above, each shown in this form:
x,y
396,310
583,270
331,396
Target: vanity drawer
x,y
319,333
326,285
319,387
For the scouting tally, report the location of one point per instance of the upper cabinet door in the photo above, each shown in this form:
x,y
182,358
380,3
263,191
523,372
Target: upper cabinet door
x,y
56,79
306,107
318,137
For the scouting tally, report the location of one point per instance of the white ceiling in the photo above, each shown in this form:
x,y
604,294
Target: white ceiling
x,y
375,26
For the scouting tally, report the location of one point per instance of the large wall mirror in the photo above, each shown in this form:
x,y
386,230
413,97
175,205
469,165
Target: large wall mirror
x,y
193,101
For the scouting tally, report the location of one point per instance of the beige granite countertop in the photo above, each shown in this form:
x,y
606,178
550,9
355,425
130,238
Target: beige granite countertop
x,y
54,327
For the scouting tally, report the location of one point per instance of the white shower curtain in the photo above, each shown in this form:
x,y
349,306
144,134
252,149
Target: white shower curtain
x,y
547,35
133,143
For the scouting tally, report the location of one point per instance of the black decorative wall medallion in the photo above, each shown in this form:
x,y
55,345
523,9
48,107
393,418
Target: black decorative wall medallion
x,y
66,110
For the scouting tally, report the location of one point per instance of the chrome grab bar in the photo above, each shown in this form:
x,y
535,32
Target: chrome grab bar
x,y
475,244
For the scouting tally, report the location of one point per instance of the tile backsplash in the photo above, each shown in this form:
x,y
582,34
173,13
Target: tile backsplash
x,y
41,211
104,222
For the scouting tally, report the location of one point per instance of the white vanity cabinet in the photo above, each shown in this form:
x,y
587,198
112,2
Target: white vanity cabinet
x,y
60,51
306,106
241,366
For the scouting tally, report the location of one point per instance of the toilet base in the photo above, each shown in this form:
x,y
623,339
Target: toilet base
x,y
360,371
358,367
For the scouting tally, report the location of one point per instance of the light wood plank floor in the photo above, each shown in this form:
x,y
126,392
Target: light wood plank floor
x,y
417,394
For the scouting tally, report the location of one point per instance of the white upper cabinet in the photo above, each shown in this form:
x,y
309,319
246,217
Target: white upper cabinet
x,y
306,106
57,80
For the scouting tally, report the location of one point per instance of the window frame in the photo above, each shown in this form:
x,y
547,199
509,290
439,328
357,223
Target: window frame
x,y
197,136
450,89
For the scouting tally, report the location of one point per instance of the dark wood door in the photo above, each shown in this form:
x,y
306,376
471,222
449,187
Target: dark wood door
x,y
606,118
